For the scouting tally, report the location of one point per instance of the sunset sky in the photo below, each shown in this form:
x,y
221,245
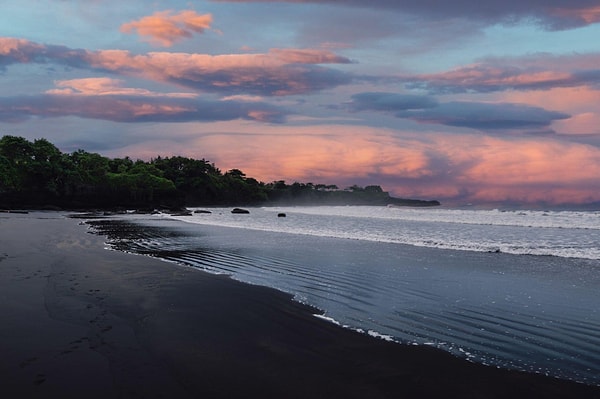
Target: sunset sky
x,y
464,101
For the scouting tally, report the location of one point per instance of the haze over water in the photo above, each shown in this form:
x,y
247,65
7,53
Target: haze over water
x,y
515,289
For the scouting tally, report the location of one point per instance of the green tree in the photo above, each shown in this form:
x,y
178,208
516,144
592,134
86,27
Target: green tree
x,y
91,167
120,165
237,189
373,189
17,149
9,178
141,184
19,154
46,171
196,180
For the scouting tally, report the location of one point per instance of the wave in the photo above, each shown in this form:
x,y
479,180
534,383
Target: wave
x,y
565,234
494,217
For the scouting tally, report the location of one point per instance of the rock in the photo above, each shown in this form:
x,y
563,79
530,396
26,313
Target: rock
x,y
239,210
202,211
182,213
281,215
143,211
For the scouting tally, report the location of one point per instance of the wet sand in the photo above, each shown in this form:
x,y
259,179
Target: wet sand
x,y
77,320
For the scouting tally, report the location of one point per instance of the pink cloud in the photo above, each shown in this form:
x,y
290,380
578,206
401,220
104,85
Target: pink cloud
x,y
106,87
165,27
307,56
486,78
319,154
15,50
528,171
582,103
10,46
131,106
452,168
571,99
535,72
582,124
586,15
277,72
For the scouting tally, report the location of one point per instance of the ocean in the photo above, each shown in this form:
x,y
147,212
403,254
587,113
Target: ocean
x,y
514,289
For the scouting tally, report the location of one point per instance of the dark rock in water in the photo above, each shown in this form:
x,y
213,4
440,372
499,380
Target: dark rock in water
x,y
239,210
173,209
87,215
182,213
143,211
202,211
281,215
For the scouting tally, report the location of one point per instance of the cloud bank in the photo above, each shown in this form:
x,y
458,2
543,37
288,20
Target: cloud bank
x,y
551,14
276,73
455,169
107,99
474,115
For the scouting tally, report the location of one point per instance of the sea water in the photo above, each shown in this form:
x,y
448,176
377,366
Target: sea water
x,y
558,233
514,289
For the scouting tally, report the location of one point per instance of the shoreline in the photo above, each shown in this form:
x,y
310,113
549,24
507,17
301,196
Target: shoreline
x,y
341,277
87,321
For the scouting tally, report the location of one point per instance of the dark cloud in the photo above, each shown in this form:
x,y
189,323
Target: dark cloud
x,y
475,115
551,14
485,116
390,102
284,80
135,109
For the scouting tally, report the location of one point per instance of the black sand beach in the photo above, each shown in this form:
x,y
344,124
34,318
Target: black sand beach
x,y
77,320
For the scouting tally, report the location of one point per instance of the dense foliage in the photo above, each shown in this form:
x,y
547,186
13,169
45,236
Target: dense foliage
x,y
34,174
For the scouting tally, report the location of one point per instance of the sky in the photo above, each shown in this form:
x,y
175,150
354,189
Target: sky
x,y
463,101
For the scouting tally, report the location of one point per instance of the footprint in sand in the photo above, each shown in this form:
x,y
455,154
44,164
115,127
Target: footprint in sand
x,y
27,362
39,379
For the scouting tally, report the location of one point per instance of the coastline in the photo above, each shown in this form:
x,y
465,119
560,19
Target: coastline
x,y
87,321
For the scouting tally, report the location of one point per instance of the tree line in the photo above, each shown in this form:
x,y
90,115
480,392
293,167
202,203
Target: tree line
x,y
38,174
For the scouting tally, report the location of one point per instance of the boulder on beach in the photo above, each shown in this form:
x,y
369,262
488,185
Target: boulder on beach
x,y
239,210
